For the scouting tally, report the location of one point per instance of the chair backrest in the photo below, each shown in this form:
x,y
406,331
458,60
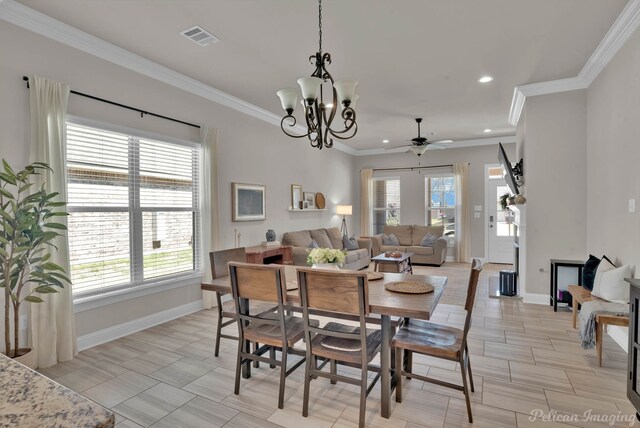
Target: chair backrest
x,y
219,260
334,291
476,268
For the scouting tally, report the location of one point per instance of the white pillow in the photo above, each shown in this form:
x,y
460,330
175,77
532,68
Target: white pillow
x,y
604,266
613,287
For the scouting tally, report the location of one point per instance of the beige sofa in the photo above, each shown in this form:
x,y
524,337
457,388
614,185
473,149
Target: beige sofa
x,y
410,238
327,238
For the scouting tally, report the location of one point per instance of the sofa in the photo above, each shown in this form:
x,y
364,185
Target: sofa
x,y
410,238
327,238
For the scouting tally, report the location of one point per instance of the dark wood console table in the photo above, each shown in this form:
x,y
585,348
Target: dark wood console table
x,y
553,275
266,255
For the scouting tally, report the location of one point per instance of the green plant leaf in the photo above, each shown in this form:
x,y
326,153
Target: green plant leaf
x,y
45,289
8,178
52,266
59,226
7,167
25,187
33,299
6,193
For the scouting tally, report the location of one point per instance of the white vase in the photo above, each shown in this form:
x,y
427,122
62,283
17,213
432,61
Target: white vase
x,y
28,359
325,266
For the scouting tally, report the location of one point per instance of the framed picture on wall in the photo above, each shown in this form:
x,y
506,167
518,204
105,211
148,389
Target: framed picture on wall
x,y
248,202
309,199
296,196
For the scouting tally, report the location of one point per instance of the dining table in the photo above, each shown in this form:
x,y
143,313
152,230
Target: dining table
x,y
384,306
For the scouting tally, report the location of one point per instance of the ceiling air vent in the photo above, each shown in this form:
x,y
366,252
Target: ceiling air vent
x,y
200,36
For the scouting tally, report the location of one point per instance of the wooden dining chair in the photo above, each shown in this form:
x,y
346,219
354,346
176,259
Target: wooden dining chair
x,y
275,330
219,269
338,295
439,341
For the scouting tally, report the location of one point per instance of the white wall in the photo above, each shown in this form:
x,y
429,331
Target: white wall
x,y
554,147
412,198
250,151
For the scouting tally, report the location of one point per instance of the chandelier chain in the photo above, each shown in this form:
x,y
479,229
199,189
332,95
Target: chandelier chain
x,y
320,25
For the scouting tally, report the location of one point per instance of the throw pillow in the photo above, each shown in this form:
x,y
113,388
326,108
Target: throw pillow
x,y
350,243
390,239
314,244
589,272
613,287
428,240
604,266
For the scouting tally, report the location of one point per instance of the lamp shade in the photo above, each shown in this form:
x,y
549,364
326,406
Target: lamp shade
x,y
288,98
353,103
345,89
310,87
344,209
418,150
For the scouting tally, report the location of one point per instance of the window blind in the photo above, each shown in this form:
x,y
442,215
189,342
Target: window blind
x,y
133,204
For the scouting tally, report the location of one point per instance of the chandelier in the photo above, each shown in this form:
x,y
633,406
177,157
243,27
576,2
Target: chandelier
x,y
318,115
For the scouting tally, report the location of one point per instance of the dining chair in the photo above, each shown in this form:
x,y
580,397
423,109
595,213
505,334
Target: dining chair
x,y
275,330
439,341
338,295
219,269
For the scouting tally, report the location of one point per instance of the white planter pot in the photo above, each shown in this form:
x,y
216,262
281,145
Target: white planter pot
x,y
28,359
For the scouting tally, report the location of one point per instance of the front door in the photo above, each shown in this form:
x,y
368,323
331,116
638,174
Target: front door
x,y
500,230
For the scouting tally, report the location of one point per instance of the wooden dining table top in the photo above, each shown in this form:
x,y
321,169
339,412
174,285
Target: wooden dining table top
x,y
381,300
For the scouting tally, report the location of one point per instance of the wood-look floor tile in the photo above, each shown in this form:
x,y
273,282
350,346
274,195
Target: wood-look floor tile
x,y
533,421
489,367
350,418
152,361
243,420
610,389
540,376
508,352
119,388
153,404
181,372
455,377
531,340
576,406
561,360
511,396
216,385
322,413
421,407
126,423
90,376
198,412
483,416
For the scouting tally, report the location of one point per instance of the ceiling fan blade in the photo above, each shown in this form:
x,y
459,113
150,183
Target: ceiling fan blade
x,y
434,146
442,142
398,147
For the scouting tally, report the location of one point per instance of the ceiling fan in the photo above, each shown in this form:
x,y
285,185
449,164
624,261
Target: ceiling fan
x,y
420,144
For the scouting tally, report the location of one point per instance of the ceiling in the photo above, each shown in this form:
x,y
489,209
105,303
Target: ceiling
x,y
413,58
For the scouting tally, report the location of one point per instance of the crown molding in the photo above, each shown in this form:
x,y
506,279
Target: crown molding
x,y
39,23
624,26
455,145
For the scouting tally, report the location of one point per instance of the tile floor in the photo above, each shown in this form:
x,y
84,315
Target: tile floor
x,y
525,358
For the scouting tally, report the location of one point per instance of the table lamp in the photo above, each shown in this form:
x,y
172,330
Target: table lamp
x,y
344,210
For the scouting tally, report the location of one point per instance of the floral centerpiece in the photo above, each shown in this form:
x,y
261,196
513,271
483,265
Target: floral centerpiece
x,y
326,255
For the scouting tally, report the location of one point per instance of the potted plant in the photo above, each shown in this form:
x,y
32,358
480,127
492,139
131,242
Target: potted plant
x,y
504,201
326,258
27,231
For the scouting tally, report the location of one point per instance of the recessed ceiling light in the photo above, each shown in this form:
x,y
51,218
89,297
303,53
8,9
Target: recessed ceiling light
x,y
487,130
485,79
385,141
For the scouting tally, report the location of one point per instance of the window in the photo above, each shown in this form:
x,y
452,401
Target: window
x,y
440,200
133,204
386,203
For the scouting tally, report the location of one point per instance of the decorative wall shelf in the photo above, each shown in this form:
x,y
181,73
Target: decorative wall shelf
x,y
307,210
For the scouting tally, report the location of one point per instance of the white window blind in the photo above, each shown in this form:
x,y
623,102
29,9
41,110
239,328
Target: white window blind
x,y
133,204
440,197
386,203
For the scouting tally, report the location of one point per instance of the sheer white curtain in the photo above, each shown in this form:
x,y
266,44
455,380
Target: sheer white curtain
x,y
463,231
366,188
53,328
210,218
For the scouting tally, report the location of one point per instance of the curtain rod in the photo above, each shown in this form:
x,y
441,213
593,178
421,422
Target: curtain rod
x,y
142,112
411,168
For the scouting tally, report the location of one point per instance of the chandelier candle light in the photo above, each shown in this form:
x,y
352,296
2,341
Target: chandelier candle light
x,y
318,115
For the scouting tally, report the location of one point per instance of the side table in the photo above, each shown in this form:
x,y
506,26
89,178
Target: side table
x,y
553,278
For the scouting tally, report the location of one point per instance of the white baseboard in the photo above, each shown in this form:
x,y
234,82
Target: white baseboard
x,y
120,330
535,298
620,335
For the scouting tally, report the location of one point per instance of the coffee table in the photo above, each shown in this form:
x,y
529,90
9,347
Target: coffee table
x,y
400,264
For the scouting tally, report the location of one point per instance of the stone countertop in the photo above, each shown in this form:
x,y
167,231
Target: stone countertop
x,y
29,399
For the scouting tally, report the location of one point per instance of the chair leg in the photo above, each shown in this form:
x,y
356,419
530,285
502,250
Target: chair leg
x,y
236,390
599,342
398,374
466,349
408,361
272,355
334,370
363,395
219,326
307,381
283,375
466,388
256,363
